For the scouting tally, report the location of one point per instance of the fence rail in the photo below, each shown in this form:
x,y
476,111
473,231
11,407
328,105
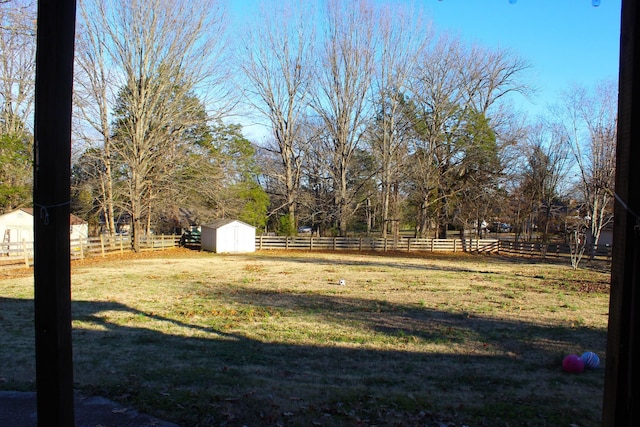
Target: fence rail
x,y
21,253
376,244
551,250
506,247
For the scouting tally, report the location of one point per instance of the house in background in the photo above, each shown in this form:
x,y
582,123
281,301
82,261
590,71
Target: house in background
x,y
17,226
227,235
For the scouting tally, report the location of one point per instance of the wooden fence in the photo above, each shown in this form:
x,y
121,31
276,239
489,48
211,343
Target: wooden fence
x,y
21,253
376,244
505,247
551,250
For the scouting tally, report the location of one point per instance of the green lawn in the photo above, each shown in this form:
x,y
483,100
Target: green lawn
x,y
272,338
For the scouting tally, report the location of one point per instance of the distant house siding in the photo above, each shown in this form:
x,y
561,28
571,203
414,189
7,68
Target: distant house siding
x,y
17,226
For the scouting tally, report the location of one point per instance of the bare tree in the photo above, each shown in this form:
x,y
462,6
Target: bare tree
x,y
278,63
343,88
591,123
437,100
544,172
402,37
17,77
454,84
161,53
94,98
17,64
493,75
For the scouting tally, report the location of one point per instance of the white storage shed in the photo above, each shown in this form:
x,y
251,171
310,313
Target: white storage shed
x,y
228,235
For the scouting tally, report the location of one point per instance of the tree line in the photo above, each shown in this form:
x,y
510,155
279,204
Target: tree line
x,y
377,122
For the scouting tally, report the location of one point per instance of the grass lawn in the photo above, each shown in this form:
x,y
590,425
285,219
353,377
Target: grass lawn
x,y
271,338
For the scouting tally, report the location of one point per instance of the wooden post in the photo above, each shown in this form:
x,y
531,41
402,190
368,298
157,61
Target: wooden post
x,y
102,245
621,404
51,202
25,252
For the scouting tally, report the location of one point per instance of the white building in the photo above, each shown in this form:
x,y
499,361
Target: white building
x,y
227,235
17,226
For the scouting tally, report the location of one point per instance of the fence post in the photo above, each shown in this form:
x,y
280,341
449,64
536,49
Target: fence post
x,y
101,244
455,244
311,243
334,243
409,244
25,252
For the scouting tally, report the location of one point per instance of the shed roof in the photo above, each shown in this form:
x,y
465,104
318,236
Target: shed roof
x,y
224,221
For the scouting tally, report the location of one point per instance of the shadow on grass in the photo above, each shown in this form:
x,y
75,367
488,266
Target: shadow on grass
x,y
196,374
422,261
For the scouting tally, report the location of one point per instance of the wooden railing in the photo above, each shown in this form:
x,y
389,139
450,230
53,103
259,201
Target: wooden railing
x,y
527,249
21,253
376,244
551,250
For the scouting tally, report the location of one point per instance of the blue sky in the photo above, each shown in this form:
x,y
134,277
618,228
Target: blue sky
x,y
566,41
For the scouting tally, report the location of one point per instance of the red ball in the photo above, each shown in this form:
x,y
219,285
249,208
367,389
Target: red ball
x,y
573,364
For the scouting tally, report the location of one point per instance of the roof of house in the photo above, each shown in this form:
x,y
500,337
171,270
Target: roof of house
x,y
73,219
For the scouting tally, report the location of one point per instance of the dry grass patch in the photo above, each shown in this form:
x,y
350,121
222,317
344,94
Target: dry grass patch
x,y
272,338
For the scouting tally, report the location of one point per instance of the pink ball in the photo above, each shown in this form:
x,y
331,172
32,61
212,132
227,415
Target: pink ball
x,y
573,364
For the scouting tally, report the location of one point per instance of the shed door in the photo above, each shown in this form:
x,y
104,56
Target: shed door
x,y
237,235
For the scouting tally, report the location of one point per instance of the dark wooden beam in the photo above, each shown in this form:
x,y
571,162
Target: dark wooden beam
x,y
622,382
51,196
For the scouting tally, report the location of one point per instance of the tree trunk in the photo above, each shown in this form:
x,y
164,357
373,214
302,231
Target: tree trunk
x,y
291,198
422,224
386,196
109,217
443,220
136,212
